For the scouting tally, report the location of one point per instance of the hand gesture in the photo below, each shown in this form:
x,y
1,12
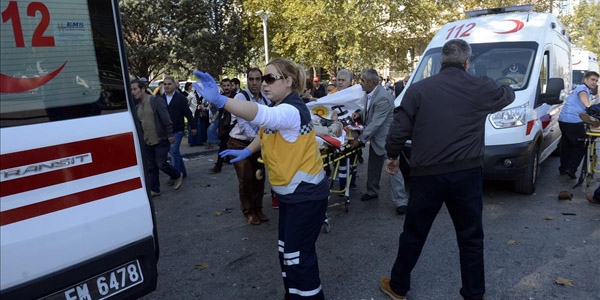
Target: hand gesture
x,y
207,87
237,154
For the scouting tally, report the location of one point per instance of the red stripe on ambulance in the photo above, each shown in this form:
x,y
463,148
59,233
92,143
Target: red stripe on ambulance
x,y
64,202
108,154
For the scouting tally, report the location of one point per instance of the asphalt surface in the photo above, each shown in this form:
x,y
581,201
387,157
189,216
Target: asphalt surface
x,y
209,252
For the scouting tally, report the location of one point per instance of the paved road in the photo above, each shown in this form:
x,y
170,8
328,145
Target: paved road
x,y
209,252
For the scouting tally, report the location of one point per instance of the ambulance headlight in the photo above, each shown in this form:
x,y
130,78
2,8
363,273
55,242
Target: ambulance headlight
x,y
511,117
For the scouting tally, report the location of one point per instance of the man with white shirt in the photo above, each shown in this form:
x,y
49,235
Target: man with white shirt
x,y
178,107
251,188
377,117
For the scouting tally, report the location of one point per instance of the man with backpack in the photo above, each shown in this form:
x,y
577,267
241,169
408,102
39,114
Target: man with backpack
x,y
224,125
242,133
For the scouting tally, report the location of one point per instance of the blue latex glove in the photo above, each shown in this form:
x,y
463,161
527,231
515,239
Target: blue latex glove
x,y
237,154
207,87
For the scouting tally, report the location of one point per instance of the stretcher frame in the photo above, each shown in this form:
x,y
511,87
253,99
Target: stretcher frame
x,y
590,161
332,157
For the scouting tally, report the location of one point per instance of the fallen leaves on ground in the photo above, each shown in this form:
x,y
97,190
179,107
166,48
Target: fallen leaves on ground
x,y
221,212
201,266
564,281
512,242
548,217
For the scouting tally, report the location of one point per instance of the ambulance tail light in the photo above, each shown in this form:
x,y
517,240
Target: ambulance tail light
x,y
500,10
511,117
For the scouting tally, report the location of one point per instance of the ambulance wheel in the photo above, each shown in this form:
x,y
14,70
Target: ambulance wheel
x,y
526,183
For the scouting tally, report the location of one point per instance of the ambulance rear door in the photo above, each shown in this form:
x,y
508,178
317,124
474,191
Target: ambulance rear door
x,y
76,221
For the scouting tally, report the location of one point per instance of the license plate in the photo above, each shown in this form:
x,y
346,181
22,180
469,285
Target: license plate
x,y
104,285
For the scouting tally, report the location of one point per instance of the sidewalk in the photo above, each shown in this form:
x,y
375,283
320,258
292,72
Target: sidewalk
x,y
187,151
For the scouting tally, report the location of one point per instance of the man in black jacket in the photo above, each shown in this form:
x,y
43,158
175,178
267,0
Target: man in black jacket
x,y
178,109
444,115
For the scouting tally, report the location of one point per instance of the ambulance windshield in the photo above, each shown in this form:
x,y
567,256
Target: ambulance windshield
x,y
506,63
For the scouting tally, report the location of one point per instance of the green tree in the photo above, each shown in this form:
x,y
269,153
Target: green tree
x,y
146,35
584,25
352,34
211,36
174,37
359,34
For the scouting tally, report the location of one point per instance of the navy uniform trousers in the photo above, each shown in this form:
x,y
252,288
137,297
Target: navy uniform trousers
x,y
299,228
461,191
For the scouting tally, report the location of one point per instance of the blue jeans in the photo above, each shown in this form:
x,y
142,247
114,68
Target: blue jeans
x,y
213,137
156,159
176,159
461,191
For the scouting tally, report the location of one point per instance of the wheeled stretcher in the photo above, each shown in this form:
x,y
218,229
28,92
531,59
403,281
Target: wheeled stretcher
x,y
342,160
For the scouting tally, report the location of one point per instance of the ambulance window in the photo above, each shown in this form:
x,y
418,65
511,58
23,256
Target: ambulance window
x,y
543,79
544,72
429,66
73,69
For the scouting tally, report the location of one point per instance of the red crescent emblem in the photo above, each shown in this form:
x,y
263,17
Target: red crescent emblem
x,y
576,63
11,85
518,26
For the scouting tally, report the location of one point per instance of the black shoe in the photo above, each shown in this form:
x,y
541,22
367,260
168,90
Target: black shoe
x,y
214,170
367,197
360,160
571,174
401,210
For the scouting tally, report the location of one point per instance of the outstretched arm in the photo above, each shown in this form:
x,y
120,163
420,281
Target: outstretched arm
x,y
207,87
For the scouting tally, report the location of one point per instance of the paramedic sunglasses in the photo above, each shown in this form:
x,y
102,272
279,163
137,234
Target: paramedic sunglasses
x,y
271,78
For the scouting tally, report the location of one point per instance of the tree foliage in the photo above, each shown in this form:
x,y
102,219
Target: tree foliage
x,y
146,36
226,36
584,25
173,37
359,34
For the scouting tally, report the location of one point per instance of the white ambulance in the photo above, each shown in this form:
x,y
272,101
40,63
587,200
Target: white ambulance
x,y
76,221
530,52
583,61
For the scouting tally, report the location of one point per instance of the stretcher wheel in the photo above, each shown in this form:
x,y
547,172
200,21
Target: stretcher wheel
x,y
347,204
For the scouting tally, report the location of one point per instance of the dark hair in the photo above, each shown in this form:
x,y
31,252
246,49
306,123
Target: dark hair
x,y
589,74
236,81
187,85
225,80
141,84
253,70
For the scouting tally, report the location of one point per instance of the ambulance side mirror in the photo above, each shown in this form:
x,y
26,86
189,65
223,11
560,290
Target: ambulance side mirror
x,y
553,89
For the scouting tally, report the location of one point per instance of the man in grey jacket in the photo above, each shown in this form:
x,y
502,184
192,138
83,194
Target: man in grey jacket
x,y
445,164
377,116
158,135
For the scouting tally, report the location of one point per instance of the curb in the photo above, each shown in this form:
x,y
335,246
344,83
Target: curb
x,y
199,152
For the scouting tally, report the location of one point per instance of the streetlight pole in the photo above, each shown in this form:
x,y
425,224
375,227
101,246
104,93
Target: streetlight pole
x,y
264,14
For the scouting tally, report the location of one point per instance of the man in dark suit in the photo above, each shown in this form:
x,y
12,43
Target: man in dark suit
x,y
178,109
377,116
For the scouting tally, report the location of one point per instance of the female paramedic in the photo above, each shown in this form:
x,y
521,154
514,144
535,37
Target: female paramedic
x,y
572,142
292,158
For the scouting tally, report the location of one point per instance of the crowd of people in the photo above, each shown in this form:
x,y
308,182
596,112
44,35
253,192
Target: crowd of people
x,y
269,119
